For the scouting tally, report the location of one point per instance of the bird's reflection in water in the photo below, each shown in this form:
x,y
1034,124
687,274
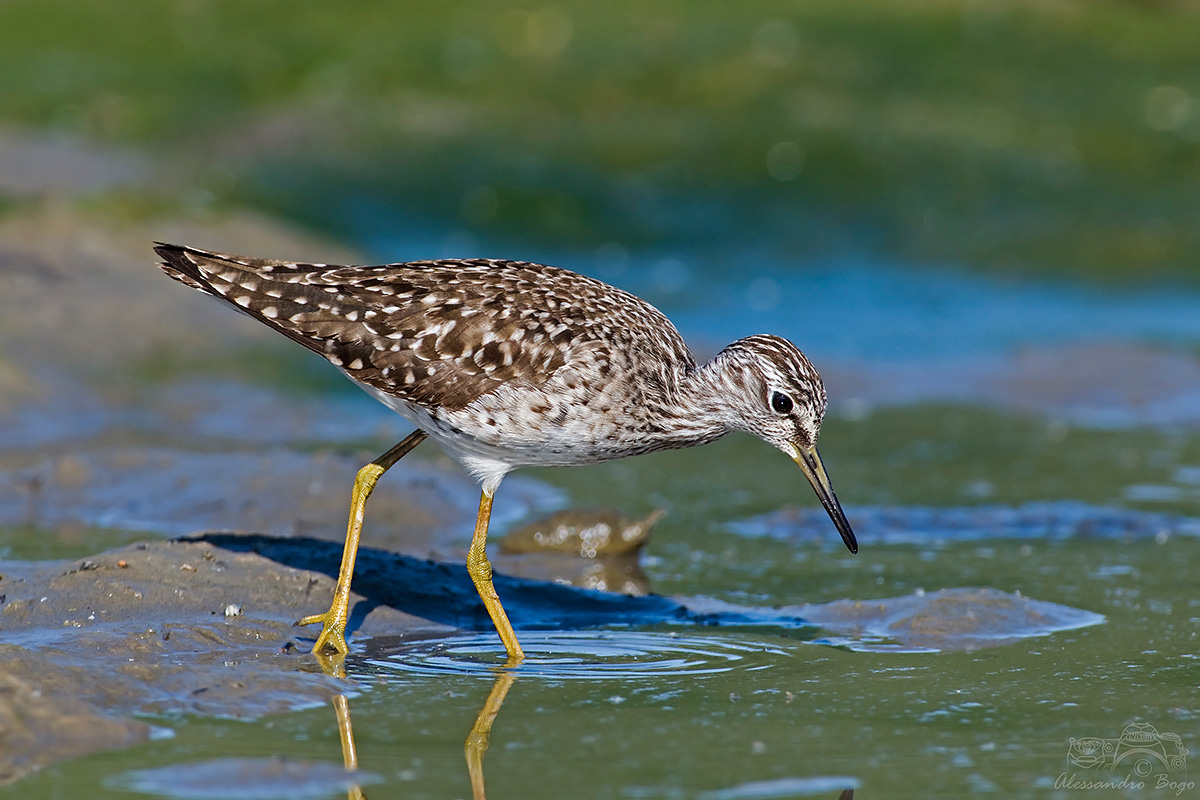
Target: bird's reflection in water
x,y
481,731
335,664
477,740
341,707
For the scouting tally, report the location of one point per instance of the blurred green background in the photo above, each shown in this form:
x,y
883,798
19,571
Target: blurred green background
x,y
1017,137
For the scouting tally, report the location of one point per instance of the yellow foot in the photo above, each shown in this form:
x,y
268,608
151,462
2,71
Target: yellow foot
x,y
333,631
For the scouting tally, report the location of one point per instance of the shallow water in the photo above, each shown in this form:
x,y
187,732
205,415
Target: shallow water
x,y
664,713
763,712
635,656
1030,495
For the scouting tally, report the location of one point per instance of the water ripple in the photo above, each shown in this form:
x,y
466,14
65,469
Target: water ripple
x,y
581,655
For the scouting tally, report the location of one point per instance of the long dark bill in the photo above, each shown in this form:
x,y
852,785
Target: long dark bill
x,y
809,460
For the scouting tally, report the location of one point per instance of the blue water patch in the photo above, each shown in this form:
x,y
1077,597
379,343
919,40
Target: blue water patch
x,y
875,312
906,525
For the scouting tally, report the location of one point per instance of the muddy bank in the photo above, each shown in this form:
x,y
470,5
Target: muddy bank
x,y
42,722
204,625
159,628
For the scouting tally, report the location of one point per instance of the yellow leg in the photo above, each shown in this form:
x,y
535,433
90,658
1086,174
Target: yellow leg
x,y
480,571
333,630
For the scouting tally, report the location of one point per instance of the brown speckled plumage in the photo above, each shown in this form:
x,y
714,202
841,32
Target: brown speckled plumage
x,y
509,364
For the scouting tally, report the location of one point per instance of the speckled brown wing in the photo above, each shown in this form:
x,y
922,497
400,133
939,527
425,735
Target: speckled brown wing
x,y
434,333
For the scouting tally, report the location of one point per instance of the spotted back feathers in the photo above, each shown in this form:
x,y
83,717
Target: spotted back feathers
x,y
440,334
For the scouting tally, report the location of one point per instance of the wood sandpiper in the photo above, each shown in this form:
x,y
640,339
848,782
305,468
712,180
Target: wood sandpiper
x,y
509,364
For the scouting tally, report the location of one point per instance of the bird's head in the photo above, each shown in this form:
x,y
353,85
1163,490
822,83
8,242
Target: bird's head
x,y
781,399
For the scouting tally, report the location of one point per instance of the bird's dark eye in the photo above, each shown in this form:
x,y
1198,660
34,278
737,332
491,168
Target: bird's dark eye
x,y
781,403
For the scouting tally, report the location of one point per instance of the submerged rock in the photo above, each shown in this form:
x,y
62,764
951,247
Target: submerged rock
x,y
949,619
617,574
588,548
586,533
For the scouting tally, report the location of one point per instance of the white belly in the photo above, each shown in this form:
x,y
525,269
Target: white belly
x,y
490,439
